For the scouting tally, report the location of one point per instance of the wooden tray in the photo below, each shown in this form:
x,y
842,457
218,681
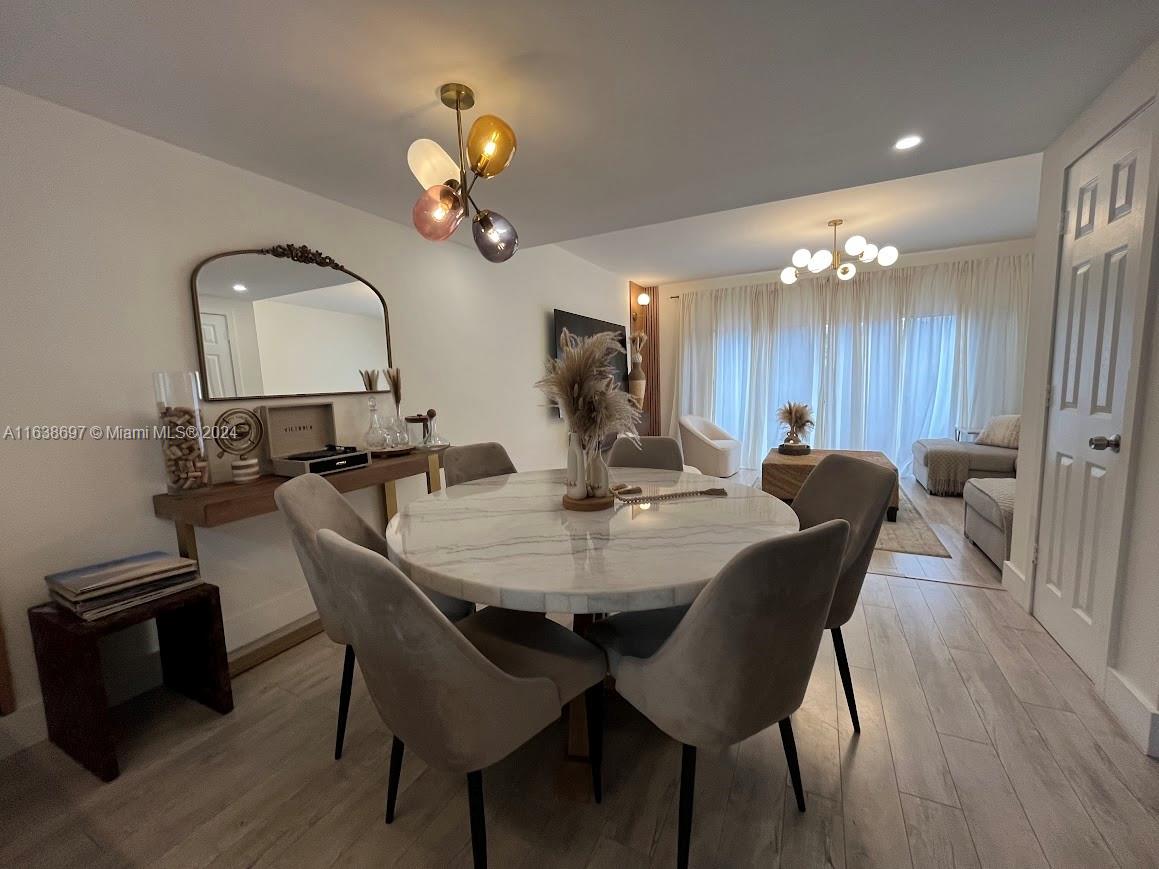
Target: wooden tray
x,y
588,505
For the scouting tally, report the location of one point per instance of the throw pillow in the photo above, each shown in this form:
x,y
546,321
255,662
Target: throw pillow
x,y
1002,431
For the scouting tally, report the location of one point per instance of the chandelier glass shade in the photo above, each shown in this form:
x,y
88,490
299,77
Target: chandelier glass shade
x,y
856,250
448,183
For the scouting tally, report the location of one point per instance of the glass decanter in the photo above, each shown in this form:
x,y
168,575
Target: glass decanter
x,y
378,435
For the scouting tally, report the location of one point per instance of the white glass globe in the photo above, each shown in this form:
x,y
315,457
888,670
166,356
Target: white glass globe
x,y
820,261
801,257
846,270
854,245
869,254
887,256
788,275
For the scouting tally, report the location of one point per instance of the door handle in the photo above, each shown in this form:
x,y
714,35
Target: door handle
x,y
1102,443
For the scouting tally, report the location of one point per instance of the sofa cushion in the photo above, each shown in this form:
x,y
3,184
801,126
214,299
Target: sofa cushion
x,y
1001,431
980,456
992,498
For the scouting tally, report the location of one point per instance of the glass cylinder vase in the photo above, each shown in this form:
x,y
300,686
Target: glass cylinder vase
x,y
178,396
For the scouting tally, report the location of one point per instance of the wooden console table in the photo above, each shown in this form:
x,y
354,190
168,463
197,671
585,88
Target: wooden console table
x,y
223,503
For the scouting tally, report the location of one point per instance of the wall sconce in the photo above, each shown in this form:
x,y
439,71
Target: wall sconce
x,y
643,300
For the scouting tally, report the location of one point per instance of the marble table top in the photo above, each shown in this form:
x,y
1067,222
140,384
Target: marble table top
x,y
507,541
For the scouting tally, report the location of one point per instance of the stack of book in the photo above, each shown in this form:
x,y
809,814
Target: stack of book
x,y
100,590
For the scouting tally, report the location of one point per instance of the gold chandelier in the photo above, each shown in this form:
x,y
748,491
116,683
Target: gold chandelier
x,y
856,247
446,198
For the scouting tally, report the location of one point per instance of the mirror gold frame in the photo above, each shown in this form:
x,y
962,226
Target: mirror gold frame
x,y
299,253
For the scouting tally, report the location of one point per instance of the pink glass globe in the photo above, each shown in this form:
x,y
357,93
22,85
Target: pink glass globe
x,y
436,214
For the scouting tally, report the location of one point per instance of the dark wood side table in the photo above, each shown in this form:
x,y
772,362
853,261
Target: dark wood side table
x,y
68,658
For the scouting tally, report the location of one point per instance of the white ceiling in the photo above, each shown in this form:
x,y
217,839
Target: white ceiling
x,y
628,114
973,205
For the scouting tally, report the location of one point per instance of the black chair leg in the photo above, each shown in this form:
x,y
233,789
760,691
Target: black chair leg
x,y
344,700
687,792
478,822
396,750
846,679
594,701
791,756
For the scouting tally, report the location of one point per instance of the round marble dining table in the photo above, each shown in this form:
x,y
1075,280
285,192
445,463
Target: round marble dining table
x,y
507,541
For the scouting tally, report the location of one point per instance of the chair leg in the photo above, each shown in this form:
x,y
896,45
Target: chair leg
x,y
344,700
846,679
594,701
478,822
687,792
396,750
791,756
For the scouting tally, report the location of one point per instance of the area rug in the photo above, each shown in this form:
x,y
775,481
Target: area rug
x,y
910,533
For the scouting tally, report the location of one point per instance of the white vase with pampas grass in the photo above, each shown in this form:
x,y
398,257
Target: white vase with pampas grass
x,y
582,383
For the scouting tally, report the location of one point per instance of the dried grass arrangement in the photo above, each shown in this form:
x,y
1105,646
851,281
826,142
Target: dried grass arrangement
x,y
798,419
369,379
394,381
582,383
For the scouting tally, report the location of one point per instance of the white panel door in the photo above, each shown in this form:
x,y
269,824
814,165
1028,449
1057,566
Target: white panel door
x,y
1101,293
215,342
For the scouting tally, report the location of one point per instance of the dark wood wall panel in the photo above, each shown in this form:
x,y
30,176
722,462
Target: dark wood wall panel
x,y
646,319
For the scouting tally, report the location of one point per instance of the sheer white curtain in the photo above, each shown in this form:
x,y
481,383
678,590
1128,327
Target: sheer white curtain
x,y
884,359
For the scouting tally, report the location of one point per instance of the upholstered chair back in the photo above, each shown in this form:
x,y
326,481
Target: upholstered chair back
x,y
434,690
740,659
309,504
843,487
653,452
474,462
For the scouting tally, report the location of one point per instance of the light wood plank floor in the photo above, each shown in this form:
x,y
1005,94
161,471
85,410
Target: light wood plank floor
x,y
982,745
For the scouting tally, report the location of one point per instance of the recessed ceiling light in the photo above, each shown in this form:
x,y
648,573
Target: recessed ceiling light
x,y
905,143
239,288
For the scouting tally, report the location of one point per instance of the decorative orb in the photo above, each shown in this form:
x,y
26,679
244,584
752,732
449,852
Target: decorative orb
x,y
845,271
490,145
430,164
643,300
801,257
887,256
788,275
436,214
869,254
854,245
494,235
821,260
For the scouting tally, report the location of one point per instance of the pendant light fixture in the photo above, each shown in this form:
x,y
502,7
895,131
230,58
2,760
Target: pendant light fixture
x,y
447,184
856,247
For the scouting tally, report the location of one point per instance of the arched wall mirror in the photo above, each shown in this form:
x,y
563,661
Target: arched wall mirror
x,y
285,321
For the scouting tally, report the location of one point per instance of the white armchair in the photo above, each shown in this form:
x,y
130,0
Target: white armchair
x,y
708,447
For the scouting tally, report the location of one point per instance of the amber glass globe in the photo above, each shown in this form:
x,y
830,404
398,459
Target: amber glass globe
x,y
490,145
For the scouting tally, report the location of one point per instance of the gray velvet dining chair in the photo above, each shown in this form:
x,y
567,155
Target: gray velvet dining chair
x,y
309,504
738,660
653,452
475,462
843,487
461,696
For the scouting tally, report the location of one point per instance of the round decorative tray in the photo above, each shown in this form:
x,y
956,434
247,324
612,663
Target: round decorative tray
x,y
393,451
588,505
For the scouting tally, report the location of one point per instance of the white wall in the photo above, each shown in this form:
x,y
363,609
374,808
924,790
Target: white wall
x,y
308,349
670,307
100,228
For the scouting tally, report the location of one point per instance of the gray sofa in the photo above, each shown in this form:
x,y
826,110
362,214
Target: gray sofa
x,y
943,465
